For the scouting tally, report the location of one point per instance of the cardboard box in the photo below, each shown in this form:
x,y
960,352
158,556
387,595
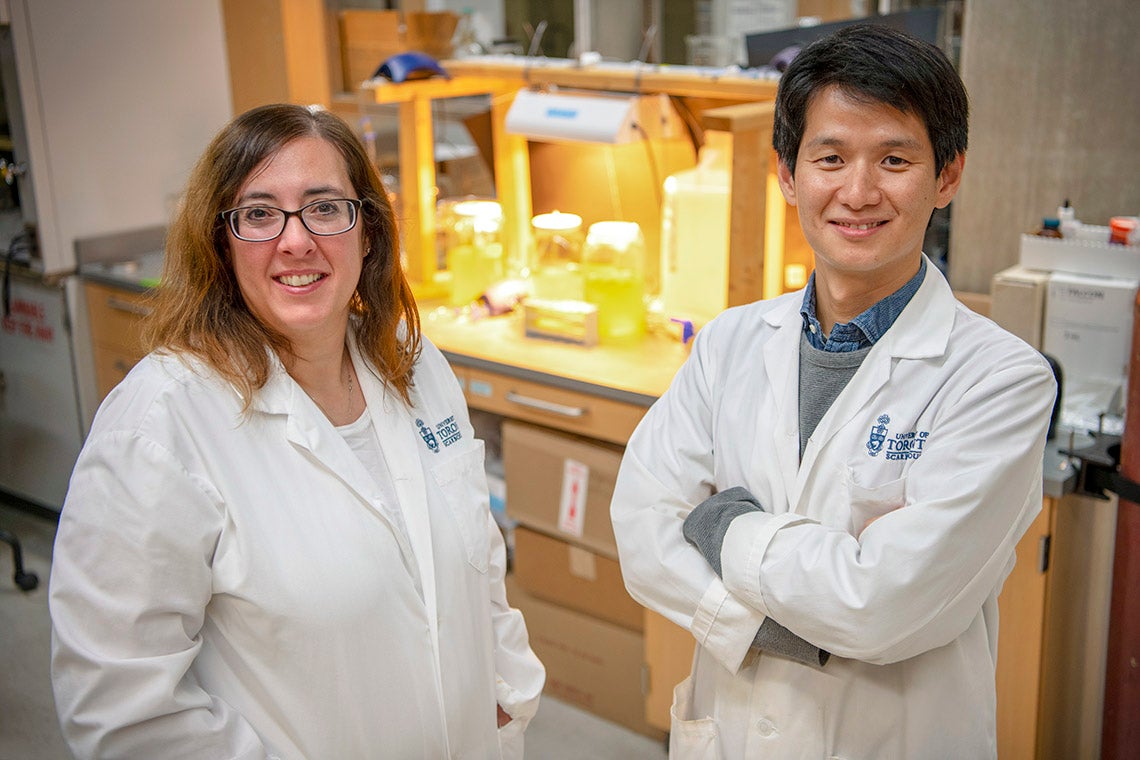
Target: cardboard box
x,y
591,664
1088,325
668,661
367,39
574,577
431,32
1018,302
979,303
561,485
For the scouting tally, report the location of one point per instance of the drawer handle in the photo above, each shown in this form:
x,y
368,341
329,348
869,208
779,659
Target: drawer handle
x,y
545,406
128,306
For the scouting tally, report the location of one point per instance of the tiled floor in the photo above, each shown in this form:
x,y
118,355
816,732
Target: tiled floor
x,y
28,729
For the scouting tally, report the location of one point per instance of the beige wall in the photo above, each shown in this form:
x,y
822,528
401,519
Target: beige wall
x,y
1055,95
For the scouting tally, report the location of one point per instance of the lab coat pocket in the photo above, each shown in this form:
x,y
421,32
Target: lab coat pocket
x,y
511,741
869,504
691,739
464,484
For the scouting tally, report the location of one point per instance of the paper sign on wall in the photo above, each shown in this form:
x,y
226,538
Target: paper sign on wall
x,y
572,506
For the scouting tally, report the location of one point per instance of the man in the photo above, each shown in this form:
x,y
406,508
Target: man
x,y
829,494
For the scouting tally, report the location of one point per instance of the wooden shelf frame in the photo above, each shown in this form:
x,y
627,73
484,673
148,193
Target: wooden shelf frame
x,y
740,106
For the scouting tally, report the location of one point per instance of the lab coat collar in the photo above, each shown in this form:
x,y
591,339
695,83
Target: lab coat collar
x,y
923,328
307,428
921,331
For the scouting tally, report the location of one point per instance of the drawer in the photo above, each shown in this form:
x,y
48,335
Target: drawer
x,y
111,366
116,316
572,411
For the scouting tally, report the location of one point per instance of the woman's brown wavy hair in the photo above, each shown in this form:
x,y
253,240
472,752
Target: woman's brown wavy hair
x,y
199,308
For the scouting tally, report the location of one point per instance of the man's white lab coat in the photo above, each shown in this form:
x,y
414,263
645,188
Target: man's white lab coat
x,y
236,587
940,434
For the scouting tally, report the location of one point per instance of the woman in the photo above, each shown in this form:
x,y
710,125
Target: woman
x,y
277,541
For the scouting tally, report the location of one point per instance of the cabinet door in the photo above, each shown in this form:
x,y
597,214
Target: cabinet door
x,y
115,317
1021,616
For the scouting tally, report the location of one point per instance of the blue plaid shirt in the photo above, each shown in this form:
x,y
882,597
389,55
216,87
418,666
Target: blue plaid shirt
x,y
865,329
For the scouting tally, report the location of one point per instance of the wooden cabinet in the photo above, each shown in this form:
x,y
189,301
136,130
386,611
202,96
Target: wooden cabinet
x,y
1021,621
115,315
281,51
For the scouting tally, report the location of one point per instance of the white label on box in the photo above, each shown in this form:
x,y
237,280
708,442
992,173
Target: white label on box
x,y
572,506
583,564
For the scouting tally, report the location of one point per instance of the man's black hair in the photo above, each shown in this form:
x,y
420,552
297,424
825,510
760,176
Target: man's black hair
x,y
876,64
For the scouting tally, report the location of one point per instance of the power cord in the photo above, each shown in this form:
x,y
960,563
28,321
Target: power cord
x,y
23,242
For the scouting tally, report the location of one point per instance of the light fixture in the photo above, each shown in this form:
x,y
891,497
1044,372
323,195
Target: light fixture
x,y
578,116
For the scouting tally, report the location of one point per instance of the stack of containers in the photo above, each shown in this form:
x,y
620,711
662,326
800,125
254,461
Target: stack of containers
x,y
1072,296
583,624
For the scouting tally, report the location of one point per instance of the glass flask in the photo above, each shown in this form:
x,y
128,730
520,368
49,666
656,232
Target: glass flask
x,y
473,234
556,262
613,261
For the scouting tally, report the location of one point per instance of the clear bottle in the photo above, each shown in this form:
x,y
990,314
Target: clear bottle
x,y
694,233
613,264
466,40
474,248
1067,215
556,262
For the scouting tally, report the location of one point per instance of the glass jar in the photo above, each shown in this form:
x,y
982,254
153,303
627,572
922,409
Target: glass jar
x,y
556,259
473,235
613,264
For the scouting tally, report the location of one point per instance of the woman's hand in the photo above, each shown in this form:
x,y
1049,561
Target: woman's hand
x,y
504,719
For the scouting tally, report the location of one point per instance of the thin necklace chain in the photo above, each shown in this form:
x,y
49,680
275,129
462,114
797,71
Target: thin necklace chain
x,y
348,407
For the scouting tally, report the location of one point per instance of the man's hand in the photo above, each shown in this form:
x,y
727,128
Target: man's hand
x,y
504,719
706,525
705,528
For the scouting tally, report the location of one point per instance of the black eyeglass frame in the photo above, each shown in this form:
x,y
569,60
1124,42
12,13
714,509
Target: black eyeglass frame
x,y
228,217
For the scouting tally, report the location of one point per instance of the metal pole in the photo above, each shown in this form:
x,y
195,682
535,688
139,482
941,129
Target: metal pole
x,y
583,24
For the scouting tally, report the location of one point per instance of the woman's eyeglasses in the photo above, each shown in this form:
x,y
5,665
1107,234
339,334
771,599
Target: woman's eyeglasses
x,y
257,224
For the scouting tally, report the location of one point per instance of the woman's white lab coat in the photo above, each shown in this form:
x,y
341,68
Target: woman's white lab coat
x,y
234,587
940,433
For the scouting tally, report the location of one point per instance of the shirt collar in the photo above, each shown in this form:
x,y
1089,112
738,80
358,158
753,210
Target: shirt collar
x,y
865,329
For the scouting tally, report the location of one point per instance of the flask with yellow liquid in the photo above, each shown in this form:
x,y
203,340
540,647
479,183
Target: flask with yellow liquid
x,y
613,269
474,249
556,264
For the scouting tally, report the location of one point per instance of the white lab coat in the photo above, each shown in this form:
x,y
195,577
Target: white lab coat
x,y
230,587
940,432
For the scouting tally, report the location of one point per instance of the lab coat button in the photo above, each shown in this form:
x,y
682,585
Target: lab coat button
x,y
765,728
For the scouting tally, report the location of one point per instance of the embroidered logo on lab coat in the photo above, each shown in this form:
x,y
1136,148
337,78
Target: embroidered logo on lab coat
x,y
428,436
906,445
878,435
446,432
